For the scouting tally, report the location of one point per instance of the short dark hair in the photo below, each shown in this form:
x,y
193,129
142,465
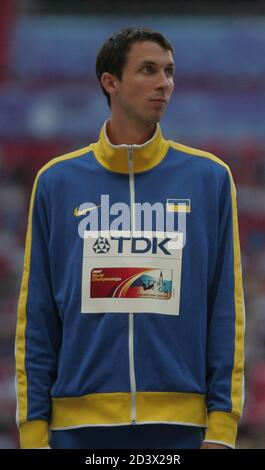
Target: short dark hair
x,y
112,56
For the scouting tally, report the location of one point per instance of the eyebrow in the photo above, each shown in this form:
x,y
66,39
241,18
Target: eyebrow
x,y
150,62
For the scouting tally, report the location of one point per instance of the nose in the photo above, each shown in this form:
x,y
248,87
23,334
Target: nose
x,y
164,82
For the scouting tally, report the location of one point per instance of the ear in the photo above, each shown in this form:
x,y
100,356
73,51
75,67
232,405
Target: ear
x,y
109,83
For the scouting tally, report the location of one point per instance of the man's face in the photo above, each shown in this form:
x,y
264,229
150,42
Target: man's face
x,y
146,84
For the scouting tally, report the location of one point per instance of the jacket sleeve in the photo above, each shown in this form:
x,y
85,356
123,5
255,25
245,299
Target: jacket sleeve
x,y
38,333
226,325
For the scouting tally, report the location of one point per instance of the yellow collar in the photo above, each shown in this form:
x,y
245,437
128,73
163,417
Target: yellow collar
x,y
145,156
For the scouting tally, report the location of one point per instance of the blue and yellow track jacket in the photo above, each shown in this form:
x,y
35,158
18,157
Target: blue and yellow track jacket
x,y
124,328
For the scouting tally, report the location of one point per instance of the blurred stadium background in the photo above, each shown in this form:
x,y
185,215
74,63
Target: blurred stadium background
x,y
50,103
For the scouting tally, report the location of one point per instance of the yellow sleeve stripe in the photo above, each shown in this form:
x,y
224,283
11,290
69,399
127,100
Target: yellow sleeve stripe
x,y
21,320
22,402
237,393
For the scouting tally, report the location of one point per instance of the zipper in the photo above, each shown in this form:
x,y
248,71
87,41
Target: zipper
x,y
131,315
132,370
132,190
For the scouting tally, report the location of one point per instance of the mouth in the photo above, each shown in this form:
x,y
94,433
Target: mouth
x,y
159,100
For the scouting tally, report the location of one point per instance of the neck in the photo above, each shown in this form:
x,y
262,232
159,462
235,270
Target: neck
x,y
131,133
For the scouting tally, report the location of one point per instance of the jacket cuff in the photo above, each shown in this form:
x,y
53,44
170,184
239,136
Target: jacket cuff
x,y
34,434
222,428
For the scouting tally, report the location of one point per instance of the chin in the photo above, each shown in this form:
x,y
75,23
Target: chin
x,y
152,121
154,117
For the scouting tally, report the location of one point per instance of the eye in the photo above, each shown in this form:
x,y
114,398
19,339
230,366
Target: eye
x,y
169,72
148,68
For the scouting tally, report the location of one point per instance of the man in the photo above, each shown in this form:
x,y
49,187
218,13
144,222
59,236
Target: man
x,y
131,334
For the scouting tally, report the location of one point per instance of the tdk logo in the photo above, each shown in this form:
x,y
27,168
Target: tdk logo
x,y
142,245
126,243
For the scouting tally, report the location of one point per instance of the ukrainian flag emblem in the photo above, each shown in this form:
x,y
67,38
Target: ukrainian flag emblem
x,y
178,205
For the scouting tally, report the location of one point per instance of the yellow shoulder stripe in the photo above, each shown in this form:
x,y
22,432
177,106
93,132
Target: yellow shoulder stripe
x,y
67,156
198,153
